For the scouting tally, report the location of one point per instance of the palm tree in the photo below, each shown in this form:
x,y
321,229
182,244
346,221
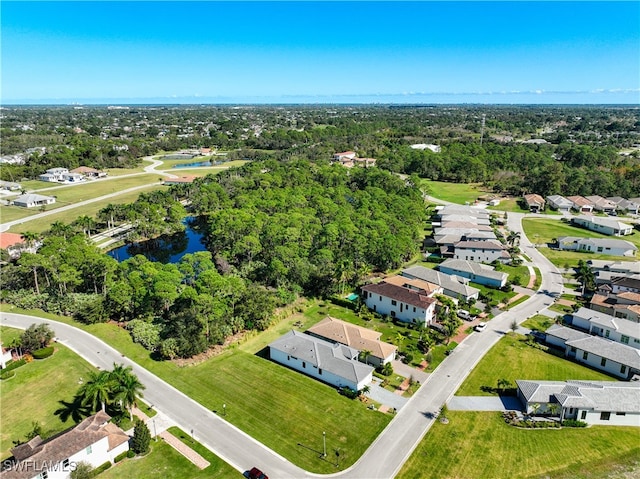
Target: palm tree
x,y
87,223
364,355
59,228
30,238
127,386
513,238
97,390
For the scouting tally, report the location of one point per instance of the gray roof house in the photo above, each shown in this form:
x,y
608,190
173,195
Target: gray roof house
x,y
601,324
599,353
597,245
332,363
558,335
560,203
631,206
594,402
607,226
476,272
624,267
453,286
32,200
602,204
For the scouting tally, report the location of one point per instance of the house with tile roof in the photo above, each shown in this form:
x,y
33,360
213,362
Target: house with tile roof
x,y
602,204
607,226
332,363
622,305
596,245
357,337
405,299
581,204
476,272
607,403
599,353
559,203
453,286
534,202
623,267
89,172
95,441
14,244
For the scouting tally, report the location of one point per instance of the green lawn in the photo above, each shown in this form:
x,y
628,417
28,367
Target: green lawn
x,y
539,322
515,272
511,358
270,413
34,392
164,461
571,258
482,445
540,230
497,295
561,308
454,192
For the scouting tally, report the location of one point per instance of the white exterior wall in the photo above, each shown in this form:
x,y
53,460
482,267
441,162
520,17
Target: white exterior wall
x,y
581,323
383,305
593,417
98,456
616,336
310,370
555,341
594,361
473,277
478,255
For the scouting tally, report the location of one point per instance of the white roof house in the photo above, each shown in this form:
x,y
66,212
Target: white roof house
x,y
476,272
597,245
333,363
560,203
601,324
594,402
607,226
631,206
624,267
32,200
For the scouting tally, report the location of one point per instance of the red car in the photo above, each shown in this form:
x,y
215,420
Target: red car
x,y
256,473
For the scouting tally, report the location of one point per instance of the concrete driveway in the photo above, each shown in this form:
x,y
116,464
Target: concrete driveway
x,y
385,397
484,403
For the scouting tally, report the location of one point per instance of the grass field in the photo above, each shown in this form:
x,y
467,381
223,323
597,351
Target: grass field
x,y
34,392
511,358
539,322
279,397
481,445
164,461
454,192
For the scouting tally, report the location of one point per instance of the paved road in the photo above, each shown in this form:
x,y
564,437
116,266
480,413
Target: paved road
x,y
388,452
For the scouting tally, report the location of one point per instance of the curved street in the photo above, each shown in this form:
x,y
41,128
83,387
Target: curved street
x,y
391,448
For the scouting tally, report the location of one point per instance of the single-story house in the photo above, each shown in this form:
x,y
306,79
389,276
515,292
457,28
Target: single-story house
x,y
362,339
72,178
486,251
602,204
15,244
476,272
624,267
534,202
622,284
89,172
332,363
559,203
597,245
581,204
607,226
557,335
607,277
9,185
179,181
621,305
425,146
601,324
408,300
53,175
453,286
348,155
95,441
462,225
32,200
613,358
610,403
623,204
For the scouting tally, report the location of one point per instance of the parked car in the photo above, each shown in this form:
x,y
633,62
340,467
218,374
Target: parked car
x,y
480,327
256,473
466,315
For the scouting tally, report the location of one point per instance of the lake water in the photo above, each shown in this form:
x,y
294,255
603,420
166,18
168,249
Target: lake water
x,y
165,249
195,165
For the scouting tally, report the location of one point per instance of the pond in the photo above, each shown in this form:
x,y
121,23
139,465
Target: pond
x,y
197,164
165,249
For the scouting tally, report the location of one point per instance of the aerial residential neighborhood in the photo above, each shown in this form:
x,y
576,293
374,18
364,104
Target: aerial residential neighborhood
x,y
486,275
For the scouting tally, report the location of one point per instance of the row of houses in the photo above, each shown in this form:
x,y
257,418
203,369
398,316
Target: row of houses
x,y
588,204
77,175
330,351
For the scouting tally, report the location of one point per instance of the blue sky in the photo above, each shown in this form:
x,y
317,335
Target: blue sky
x,y
338,52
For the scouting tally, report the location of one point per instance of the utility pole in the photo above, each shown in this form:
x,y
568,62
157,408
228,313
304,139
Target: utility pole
x,y
324,444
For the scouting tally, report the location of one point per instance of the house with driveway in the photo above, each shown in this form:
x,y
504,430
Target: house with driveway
x,y
95,441
53,175
581,204
476,272
559,203
607,226
405,299
597,245
332,363
606,403
534,202
602,204
622,204
33,200
334,330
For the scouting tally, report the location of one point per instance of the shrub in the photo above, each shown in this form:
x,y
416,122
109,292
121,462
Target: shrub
x,y
14,365
141,437
573,423
7,374
121,456
348,392
101,468
43,353
131,453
